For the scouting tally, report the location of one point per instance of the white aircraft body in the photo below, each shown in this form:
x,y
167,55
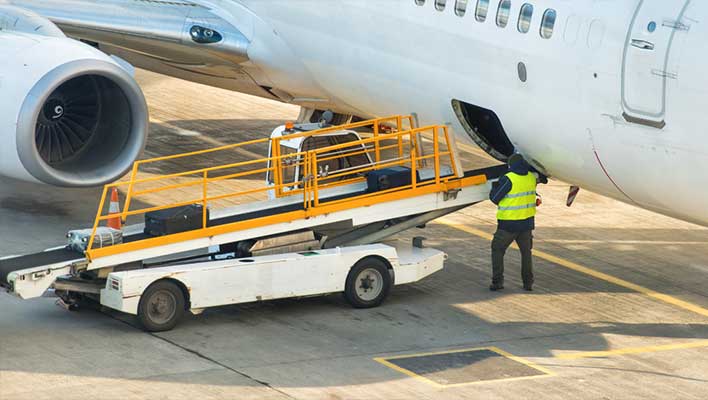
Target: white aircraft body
x,y
606,95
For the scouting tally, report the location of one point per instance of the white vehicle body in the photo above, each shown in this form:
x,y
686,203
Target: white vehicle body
x,y
234,281
607,95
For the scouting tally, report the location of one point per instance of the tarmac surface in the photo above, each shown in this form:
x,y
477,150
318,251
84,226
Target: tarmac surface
x,y
619,309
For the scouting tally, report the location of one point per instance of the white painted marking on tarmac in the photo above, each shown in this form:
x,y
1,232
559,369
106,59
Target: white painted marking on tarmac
x,y
206,139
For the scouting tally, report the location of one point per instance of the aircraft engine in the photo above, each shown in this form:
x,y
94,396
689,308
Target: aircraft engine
x,y
70,115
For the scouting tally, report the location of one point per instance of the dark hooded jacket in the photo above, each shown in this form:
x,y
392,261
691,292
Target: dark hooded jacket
x,y
501,189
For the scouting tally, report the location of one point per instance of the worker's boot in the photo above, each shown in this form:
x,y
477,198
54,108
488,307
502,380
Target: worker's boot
x,y
496,286
528,287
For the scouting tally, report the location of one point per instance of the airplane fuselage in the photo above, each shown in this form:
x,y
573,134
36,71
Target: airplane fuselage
x,y
590,108
607,95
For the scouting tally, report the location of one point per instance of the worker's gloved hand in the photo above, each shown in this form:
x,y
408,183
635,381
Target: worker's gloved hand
x,y
539,201
542,178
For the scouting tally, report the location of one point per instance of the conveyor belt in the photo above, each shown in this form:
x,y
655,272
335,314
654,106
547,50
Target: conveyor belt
x,y
490,172
65,255
36,260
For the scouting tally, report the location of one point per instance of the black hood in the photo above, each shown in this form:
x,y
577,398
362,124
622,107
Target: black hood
x,y
520,167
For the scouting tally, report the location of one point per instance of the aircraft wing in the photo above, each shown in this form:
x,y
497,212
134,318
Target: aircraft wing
x,y
164,36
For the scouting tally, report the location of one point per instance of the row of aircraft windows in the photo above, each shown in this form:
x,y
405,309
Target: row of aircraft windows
x,y
548,21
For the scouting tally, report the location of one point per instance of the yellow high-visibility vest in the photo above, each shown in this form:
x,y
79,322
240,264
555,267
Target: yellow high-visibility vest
x,y
520,202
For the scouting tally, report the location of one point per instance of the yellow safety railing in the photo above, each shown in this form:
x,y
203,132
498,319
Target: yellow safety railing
x,y
396,145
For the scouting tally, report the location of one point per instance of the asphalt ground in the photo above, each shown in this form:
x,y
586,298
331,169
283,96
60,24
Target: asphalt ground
x,y
619,310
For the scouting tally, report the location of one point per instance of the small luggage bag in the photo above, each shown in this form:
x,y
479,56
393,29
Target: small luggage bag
x,y
174,220
78,239
388,178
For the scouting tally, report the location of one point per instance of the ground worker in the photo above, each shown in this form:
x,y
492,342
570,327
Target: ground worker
x,y
515,196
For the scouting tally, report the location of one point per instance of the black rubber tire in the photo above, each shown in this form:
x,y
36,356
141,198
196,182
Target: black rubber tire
x,y
350,292
174,295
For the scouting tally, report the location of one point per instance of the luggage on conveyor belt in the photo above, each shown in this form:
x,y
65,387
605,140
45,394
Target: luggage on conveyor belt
x,y
174,220
388,178
78,239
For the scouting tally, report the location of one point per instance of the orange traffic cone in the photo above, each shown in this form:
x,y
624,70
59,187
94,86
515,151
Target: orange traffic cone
x,y
114,209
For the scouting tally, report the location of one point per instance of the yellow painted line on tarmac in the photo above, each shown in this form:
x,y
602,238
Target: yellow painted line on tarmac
x,y
633,350
520,360
654,242
614,280
596,274
385,361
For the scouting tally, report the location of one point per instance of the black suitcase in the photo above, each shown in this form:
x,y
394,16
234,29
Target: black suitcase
x,y
174,220
387,178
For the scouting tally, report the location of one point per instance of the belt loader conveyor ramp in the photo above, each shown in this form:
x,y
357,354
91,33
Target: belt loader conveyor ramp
x,y
317,199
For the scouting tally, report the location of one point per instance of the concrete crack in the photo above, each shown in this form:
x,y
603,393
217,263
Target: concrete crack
x,y
211,360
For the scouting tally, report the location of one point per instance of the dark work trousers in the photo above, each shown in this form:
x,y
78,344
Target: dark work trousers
x,y
502,240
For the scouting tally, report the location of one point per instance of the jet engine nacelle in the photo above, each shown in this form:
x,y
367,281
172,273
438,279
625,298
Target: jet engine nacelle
x,y
70,115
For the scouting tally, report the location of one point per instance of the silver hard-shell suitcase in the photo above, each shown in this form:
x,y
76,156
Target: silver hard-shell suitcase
x,y
78,239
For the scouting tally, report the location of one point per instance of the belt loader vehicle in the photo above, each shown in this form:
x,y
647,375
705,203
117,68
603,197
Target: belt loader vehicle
x,y
313,226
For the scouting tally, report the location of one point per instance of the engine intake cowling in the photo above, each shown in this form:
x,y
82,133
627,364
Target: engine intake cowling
x,y
69,114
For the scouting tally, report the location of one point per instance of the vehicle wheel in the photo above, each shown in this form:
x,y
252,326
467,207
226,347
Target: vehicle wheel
x,y
368,283
161,306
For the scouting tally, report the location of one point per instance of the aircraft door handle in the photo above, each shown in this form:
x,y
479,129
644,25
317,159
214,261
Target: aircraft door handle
x,y
642,44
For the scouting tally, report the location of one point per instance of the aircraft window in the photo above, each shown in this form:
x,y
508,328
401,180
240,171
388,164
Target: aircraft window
x,y
420,2
482,9
503,13
547,23
525,18
440,4
460,7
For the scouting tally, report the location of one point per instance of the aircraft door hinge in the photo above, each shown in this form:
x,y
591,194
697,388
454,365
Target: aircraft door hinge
x,y
664,74
676,25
